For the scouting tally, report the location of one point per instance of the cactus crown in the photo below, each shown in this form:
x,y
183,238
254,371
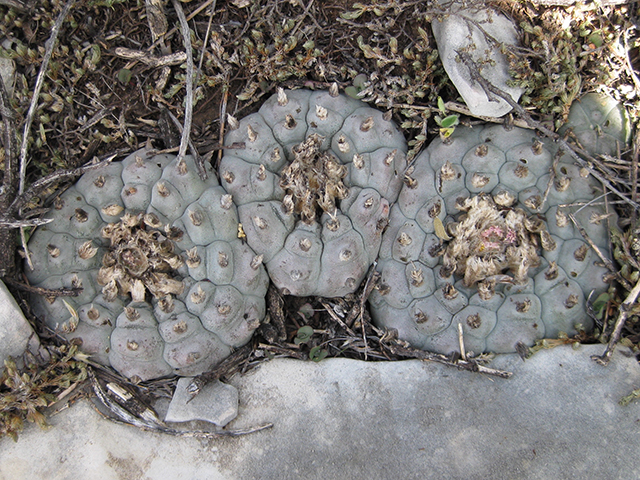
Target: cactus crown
x,y
140,259
491,240
313,181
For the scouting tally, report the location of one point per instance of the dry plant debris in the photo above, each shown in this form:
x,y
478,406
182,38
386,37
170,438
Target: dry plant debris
x,y
117,76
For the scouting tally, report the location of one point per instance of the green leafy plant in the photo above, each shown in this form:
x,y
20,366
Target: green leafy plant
x,y
446,123
124,76
358,85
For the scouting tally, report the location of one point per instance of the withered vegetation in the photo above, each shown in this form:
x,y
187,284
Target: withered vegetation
x,y
105,77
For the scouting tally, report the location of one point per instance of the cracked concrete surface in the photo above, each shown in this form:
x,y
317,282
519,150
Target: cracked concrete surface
x,y
556,417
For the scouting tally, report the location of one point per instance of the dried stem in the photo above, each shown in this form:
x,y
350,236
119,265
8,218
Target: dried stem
x,y
633,173
228,367
223,116
188,108
608,263
192,148
175,29
464,110
40,185
10,184
463,352
493,93
617,330
435,357
149,60
47,292
49,44
148,420
34,222
206,37
337,319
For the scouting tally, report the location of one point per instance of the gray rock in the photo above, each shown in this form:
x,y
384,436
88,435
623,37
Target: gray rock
x,y
557,417
459,32
16,334
217,403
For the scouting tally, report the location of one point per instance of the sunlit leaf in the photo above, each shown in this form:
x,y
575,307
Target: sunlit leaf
x,y
450,121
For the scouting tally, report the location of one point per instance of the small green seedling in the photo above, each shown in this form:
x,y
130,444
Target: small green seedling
x,y
304,335
447,123
600,304
357,87
124,76
317,353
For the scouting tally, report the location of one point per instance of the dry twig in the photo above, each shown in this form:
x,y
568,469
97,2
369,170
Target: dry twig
x,y
617,330
144,417
188,108
575,153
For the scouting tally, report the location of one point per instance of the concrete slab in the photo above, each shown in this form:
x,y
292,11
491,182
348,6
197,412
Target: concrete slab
x,y
557,417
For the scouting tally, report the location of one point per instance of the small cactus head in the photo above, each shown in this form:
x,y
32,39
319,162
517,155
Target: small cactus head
x,y
599,123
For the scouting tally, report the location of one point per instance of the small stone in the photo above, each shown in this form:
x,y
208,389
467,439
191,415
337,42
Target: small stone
x,y
457,33
216,403
16,334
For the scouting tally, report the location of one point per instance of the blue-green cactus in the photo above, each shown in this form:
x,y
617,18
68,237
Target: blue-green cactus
x,y
600,124
167,286
313,187
481,236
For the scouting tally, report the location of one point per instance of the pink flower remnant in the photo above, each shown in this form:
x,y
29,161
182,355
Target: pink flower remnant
x,y
494,237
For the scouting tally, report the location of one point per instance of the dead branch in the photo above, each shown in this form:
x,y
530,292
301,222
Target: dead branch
x,y
188,108
145,418
192,148
436,357
608,263
58,176
9,184
34,222
46,292
617,330
149,60
228,367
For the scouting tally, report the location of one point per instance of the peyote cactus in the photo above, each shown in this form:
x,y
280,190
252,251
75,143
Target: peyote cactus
x,y
313,187
171,265
600,124
168,287
481,236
